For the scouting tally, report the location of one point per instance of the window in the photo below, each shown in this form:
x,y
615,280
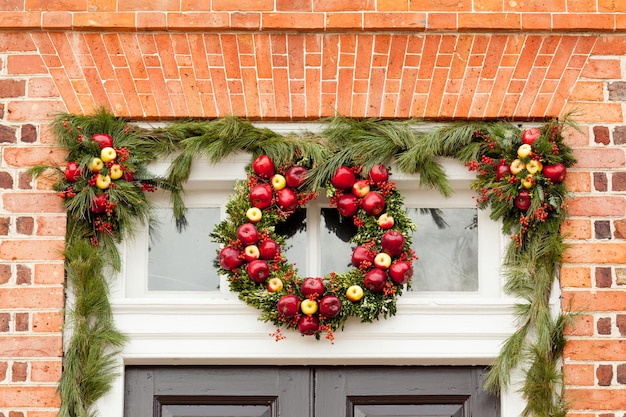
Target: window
x,y
176,310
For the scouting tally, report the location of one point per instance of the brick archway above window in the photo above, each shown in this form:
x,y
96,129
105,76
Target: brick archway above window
x,y
308,76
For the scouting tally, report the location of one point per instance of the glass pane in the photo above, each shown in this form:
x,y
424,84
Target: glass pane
x,y
446,243
294,230
336,250
184,261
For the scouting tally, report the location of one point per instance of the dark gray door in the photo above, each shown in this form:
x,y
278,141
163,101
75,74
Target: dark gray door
x,y
234,391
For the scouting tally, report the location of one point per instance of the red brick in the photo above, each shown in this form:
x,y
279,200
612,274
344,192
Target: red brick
x,y
32,297
12,88
25,396
599,158
578,181
575,277
35,250
40,203
343,5
597,206
576,229
26,64
48,322
35,110
45,371
581,325
599,253
578,374
590,399
602,69
604,300
111,20
27,157
29,346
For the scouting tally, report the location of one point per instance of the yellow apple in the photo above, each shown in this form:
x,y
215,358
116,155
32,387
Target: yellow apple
x,y
382,260
308,307
108,154
524,150
354,293
95,165
278,182
274,284
103,181
527,182
517,166
116,172
254,214
534,166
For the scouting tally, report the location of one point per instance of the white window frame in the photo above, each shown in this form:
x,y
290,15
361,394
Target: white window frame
x,y
215,328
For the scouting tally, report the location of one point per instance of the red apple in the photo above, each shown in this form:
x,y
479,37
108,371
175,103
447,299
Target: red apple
x,y
288,305
373,203
312,287
522,201
263,166
274,284
103,140
308,325
393,242
99,203
375,280
128,176
502,169
330,306
378,173
348,205
247,234
268,249
261,196
362,254
400,272
344,178
258,270
296,176
361,188
530,135
287,199
555,173
230,258
72,171
386,221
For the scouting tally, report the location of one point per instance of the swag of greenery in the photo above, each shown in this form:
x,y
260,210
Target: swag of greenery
x,y
522,185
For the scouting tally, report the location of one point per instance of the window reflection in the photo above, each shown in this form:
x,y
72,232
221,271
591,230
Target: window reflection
x,y
446,243
335,247
183,261
294,230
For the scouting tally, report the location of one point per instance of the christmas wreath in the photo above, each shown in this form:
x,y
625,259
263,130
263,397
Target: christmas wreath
x,y
519,177
254,263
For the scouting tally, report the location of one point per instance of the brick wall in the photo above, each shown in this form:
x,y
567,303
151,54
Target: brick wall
x,y
305,59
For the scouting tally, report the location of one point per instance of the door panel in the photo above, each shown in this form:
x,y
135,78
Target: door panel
x,y
289,391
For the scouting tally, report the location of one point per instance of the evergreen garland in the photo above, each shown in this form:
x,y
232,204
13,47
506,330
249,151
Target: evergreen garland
x,y
530,264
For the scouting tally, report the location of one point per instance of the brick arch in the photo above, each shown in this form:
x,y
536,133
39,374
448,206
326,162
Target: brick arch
x,y
291,76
